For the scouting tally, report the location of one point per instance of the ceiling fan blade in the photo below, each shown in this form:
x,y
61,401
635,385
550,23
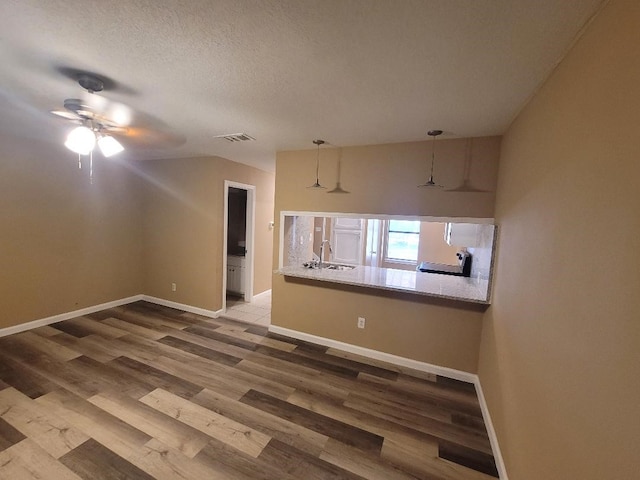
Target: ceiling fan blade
x,y
116,130
115,113
141,137
66,114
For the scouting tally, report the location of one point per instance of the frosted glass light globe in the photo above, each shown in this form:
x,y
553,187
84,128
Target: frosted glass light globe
x,y
81,140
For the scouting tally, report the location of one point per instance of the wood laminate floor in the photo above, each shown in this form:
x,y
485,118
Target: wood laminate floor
x,y
142,392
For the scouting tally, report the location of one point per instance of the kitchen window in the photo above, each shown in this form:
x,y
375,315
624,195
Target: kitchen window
x,y
401,241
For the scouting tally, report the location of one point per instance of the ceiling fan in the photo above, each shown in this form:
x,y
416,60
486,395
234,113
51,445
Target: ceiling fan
x,y
98,119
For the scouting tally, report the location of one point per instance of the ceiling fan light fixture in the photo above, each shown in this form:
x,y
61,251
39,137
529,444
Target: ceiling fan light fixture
x,y
81,140
109,146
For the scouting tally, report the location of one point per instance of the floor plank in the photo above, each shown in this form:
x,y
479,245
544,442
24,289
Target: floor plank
x,y
51,432
9,435
144,391
344,432
166,429
92,460
217,426
27,460
285,431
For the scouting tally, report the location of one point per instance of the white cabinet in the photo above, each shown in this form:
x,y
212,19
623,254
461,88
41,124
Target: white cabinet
x,y
347,240
461,234
235,274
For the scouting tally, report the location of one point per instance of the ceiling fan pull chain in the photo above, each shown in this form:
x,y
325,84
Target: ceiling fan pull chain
x,y
91,167
79,162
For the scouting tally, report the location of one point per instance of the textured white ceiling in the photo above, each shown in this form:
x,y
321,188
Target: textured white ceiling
x,y
351,72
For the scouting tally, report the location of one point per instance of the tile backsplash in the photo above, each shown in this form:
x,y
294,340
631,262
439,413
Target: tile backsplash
x,y
298,240
483,252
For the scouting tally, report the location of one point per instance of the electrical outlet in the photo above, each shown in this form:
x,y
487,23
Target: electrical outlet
x,y
361,322
173,287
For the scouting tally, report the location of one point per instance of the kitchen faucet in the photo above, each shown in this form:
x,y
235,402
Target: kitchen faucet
x,y
322,251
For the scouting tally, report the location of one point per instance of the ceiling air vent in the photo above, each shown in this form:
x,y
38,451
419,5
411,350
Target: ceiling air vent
x,y
236,137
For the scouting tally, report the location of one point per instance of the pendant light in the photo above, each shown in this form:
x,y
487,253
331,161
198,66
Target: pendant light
x,y
338,188
317,184
466,186
430,183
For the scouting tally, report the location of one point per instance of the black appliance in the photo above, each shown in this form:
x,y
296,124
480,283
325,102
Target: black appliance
x,y
463,269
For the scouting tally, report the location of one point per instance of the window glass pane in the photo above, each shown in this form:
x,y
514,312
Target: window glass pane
x,y
403,246
404,226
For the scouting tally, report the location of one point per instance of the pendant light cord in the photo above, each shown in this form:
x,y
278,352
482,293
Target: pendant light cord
x,y
318,166
433,156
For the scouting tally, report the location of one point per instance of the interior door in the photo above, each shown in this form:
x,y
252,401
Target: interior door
x,y
347,240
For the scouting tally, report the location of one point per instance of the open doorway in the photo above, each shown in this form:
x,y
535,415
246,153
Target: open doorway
x,y
238,251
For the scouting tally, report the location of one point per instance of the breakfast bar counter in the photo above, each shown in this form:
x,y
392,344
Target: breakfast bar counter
x,y
406,281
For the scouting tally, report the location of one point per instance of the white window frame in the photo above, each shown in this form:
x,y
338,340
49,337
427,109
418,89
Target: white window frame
x,y
385,243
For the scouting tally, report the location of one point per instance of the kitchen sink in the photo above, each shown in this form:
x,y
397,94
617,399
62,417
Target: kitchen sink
x,y
335,266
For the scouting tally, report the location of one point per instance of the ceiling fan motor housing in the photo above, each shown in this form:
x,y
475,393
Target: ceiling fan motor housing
x,y
90,83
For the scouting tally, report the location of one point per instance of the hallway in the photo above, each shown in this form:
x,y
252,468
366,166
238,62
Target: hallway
x,y
257,313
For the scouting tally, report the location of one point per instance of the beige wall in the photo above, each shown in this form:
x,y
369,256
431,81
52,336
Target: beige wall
x,y
432,247
65,243
383,179
68,244
183,228
560,351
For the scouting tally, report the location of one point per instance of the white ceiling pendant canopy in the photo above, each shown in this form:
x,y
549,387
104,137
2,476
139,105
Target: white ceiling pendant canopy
x,y
317,184
430,183
81,140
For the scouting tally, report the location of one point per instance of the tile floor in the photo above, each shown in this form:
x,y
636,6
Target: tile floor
x,y
257,312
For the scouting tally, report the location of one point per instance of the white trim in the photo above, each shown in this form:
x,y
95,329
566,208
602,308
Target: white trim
x,y
250,240
182,306
381,216
376,355
281,241
261,294
493,438
416,365
104,306
66,316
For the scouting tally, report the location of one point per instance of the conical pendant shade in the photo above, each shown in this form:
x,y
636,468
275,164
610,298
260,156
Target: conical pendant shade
x,y
466,186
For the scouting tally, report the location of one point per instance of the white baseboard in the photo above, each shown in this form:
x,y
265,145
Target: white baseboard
x,y
416,365
66,316
103,306
377,355
182,306
261,294
493,438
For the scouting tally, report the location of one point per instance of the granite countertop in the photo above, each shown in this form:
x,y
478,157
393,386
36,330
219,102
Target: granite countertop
x,y
408,281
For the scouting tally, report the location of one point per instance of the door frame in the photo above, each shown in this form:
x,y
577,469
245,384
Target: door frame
x,y
250,240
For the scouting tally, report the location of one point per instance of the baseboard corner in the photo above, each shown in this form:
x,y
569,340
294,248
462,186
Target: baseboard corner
x,y
182,306
41,322
493,438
